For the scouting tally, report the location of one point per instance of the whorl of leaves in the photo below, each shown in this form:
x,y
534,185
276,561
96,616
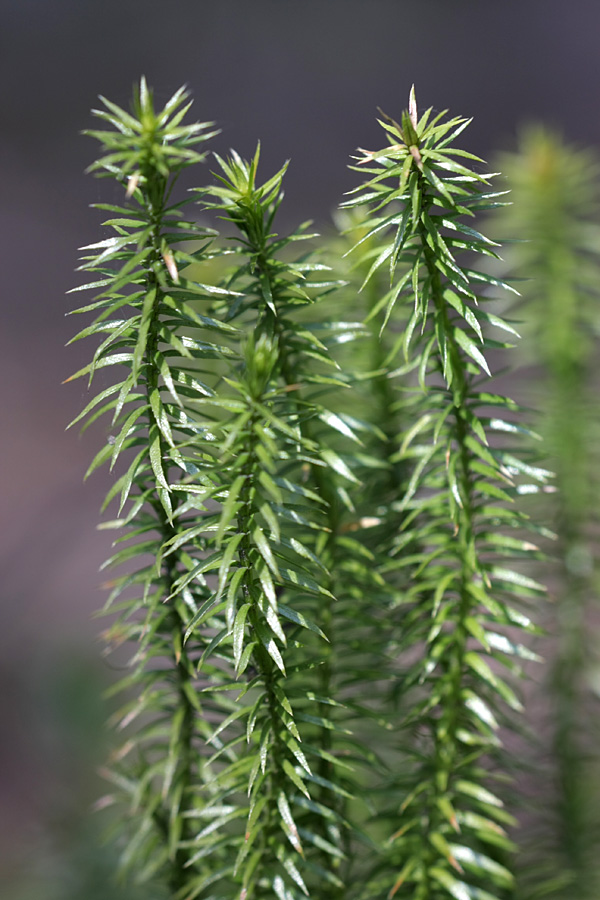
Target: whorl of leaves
x,y
464,605
232,766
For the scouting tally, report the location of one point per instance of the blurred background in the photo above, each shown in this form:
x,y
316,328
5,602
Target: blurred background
x,y
304,77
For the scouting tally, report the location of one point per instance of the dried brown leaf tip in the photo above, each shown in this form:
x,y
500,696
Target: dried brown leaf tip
x,y
390,121
132,183
412,108
171,265
370,155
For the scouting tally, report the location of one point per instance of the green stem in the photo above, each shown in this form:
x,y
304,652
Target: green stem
x,y
566,358
182,665
261,659
326,491
570,662
446,747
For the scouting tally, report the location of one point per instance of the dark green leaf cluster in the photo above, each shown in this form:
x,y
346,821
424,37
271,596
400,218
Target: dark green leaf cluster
x,y
233,491
464,605
322,606
555,189
291,455
151,334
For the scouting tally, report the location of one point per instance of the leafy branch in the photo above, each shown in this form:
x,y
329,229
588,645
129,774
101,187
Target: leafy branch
x,y
321,605
555,188
137,270
464,601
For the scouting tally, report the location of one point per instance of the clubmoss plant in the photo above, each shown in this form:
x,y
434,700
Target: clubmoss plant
x,y
144,333
555,190
283,470
466,600
321,607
